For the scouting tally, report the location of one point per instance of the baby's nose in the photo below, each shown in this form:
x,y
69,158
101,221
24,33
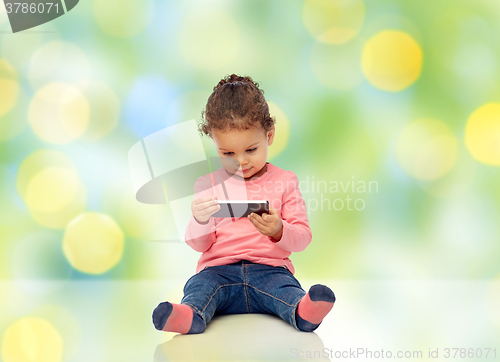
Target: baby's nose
x,y
241,162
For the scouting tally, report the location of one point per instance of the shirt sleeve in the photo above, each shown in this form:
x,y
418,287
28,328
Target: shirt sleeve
x,y
296,231
200,236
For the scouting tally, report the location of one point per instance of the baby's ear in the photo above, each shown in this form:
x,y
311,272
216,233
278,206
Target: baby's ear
x,y
270,136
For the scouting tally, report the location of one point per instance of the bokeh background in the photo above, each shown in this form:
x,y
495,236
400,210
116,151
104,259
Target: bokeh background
x,y
393,105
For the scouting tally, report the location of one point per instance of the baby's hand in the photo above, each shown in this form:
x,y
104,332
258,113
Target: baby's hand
x,y
269,225
204,207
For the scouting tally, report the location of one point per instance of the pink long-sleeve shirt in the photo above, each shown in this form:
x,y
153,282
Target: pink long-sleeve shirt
x,y
225,240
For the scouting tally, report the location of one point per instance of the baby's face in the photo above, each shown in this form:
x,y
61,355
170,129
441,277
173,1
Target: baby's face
x,y
246,150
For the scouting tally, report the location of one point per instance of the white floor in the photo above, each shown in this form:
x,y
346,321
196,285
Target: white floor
x,y
111,321
240,337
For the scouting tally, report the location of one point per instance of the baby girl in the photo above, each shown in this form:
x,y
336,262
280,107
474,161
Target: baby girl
x,y
245,265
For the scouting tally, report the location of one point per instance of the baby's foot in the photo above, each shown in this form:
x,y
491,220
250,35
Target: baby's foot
x,y
313,307
179,318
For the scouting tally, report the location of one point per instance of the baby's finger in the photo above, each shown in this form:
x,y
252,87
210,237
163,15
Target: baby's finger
x,y
201,200
273,211
269,219
207,202
214,209
257,220
255,223
251,218
210,210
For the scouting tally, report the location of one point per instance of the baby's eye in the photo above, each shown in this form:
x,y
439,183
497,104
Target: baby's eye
x,y
227,153
252,149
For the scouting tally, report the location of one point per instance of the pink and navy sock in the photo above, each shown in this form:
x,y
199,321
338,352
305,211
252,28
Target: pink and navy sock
x,y
313,307
179,318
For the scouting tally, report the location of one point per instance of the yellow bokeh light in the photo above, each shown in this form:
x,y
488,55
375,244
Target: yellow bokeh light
x,y
337,67
51,189
58,61
36,162
436,157
482,134
59,113
455,182
200,47
93,243
60,218
282,127
66,323
123,18
104,107
333,21
391,60
9,87
427,149
54,196
32,339
49,184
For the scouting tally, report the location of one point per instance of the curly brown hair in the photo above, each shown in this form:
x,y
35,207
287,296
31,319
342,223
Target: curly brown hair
x,y
236,103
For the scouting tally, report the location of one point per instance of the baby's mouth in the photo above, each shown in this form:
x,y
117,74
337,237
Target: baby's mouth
x,y
244,171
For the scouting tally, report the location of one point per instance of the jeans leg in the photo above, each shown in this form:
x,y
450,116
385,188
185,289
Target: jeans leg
x,y
216,290
274,290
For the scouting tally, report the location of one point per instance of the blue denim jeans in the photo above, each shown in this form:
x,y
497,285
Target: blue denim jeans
x,y
243,287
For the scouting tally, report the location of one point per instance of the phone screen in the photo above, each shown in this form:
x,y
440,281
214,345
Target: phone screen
x,y
241,208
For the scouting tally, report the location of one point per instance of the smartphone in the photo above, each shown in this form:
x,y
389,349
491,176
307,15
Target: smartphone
x,y
241,208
